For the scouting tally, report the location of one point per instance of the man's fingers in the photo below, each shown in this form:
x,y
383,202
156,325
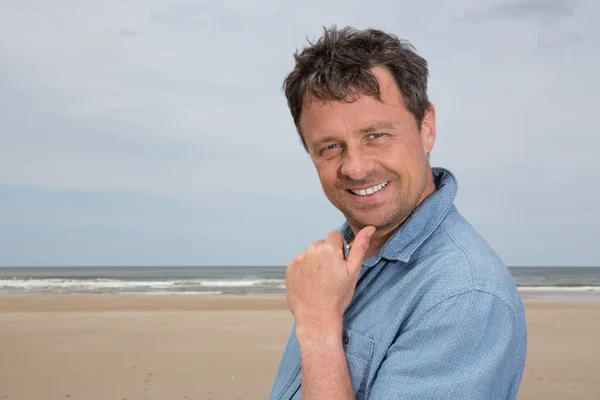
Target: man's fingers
x,y
317,242
336,240
359,248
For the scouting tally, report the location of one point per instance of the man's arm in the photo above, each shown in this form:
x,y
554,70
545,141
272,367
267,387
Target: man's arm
x,y
470,346
325,372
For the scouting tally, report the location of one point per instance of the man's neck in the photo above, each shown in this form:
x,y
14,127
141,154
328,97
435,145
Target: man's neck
x,y
379,238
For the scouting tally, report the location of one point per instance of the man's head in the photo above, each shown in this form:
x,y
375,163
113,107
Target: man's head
x,y
360,105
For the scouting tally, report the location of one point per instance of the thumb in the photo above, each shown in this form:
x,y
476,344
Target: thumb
x,y
359,249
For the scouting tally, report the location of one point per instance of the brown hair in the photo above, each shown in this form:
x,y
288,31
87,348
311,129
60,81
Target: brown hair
x,y
338,66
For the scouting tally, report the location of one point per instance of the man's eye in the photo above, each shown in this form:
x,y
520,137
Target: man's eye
x,y
376,135
330,147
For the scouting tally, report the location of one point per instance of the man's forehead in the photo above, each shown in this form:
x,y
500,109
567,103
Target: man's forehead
x,y
325,107
361,113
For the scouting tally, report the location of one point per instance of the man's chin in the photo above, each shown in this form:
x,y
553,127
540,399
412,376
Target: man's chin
x,y
381,222
359,222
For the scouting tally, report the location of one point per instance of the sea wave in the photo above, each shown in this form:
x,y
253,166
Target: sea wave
x,y
233,283
191,286
560,288
154,286
66,283
180,293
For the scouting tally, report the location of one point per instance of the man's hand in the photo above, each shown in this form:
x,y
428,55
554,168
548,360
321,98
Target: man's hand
x,y
320,283
319,288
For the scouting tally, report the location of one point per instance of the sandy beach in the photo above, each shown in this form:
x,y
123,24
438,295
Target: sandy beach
x,y
224,347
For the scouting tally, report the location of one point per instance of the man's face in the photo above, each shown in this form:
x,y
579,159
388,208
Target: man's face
x,y
370,156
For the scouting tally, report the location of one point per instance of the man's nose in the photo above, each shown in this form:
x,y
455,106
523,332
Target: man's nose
x,y
355,164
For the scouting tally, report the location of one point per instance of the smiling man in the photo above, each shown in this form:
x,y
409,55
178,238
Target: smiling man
x,y
406,300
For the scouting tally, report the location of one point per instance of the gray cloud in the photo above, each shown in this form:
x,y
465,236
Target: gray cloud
x,y
225,17
549,39
128,32
539,10
553,23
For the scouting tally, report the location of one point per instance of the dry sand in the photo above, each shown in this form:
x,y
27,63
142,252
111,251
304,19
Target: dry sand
x,y
219,347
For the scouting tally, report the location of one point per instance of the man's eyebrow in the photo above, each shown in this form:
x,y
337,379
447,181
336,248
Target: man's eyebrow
x,y
376,127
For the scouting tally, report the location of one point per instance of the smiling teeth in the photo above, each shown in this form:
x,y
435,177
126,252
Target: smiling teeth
x,y
371,190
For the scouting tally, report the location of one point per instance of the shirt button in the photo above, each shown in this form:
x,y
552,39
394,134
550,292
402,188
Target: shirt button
x,y
345,339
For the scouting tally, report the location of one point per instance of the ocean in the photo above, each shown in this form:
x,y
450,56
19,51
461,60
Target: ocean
x,y
235,280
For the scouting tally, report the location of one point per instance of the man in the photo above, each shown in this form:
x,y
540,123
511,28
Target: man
x,y
406,301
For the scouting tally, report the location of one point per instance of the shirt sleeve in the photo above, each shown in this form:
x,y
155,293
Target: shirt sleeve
x,y
465,347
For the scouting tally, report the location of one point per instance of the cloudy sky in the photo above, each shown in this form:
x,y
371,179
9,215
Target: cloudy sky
x,y
139,132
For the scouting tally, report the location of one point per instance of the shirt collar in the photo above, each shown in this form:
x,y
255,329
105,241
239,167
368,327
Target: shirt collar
x,y
419,225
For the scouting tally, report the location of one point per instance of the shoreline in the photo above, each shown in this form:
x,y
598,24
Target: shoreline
x,y
44,301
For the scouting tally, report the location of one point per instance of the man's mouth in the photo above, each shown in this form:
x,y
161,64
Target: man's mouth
x,y
368,191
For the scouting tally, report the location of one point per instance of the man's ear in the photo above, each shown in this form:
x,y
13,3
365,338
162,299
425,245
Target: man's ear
x,y
428,130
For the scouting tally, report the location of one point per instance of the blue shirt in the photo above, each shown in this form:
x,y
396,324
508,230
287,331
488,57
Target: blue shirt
x,y
435,314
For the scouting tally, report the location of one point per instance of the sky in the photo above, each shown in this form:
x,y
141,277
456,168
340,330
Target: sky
x,y
148,132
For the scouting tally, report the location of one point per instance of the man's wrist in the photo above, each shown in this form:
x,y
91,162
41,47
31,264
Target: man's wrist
x,y
326,334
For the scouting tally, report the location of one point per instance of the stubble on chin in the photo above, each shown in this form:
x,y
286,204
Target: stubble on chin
x,y
391,216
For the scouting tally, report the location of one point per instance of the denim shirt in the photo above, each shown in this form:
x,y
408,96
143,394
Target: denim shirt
x,y
435,314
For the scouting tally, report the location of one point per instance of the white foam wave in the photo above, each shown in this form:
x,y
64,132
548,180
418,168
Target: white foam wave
x,y
79,283
182,293
116,284
560,288
242,283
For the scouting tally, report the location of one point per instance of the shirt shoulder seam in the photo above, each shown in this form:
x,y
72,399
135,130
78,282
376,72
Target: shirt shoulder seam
x,y
427,313
463,250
